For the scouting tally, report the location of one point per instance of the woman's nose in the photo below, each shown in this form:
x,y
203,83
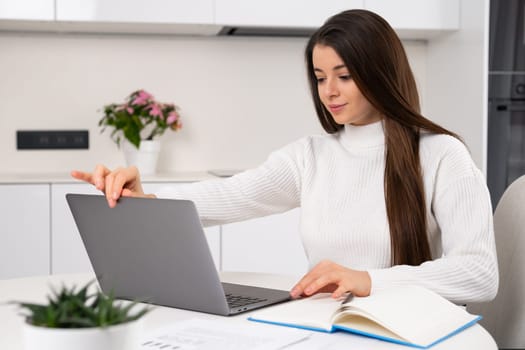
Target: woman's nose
x,y
330,88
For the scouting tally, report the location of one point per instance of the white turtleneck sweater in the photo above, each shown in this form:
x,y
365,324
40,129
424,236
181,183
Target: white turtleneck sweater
x,y
337,180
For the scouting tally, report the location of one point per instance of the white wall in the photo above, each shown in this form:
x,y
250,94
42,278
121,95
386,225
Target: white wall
x,y
457,76
241,98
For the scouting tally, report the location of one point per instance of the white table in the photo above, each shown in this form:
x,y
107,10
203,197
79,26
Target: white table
x,y
35,289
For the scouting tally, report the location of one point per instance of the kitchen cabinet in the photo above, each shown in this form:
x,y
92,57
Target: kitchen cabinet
x,y
418,18
195,17
39,235
42,10
277,13
68,252
269,244
412,19
138,11
24,244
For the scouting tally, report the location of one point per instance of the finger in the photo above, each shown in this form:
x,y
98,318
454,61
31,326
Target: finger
x,y
111,195
99,176
318,284
122,178
83,176
299,287
340,291
126,192
304,286
122,181
322,268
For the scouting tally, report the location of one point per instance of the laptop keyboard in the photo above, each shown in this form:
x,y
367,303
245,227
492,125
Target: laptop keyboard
x,y
240,300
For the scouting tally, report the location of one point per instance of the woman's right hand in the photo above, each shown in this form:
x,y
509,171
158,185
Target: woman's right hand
x,y
114,183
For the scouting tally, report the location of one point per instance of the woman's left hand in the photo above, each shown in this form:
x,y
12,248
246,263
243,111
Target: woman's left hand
x,y
328,276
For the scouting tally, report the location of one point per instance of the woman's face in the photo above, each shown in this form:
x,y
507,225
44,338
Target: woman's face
x,y
338,91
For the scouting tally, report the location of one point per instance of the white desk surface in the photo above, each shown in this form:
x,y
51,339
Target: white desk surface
x,y
35,289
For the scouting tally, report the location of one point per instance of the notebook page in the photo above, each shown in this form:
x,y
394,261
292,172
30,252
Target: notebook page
x,y
415,313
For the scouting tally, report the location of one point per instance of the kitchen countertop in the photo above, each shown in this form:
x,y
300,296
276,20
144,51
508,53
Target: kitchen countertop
x,y
64,177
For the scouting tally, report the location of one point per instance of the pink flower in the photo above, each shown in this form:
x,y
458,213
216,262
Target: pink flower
x,y
155,110
172,118
141,98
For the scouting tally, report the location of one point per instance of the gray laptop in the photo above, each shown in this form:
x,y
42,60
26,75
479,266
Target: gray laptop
x,y
155,250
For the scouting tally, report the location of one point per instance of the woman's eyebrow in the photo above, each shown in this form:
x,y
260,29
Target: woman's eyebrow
x,y
340,66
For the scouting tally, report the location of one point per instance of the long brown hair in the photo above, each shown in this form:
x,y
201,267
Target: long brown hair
x,y
374,56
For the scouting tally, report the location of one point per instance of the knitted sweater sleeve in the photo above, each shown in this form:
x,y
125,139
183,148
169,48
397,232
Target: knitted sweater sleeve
x,y
271,188
467,269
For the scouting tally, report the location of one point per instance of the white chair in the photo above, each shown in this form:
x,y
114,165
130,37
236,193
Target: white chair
x,y
504,317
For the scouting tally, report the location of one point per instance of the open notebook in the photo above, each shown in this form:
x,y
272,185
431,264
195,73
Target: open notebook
x,y
408,315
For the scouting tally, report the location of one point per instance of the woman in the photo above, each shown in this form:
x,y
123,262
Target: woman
x,y
387,197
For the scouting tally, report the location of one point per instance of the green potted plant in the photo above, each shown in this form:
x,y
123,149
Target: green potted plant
x,y
137,124
82,320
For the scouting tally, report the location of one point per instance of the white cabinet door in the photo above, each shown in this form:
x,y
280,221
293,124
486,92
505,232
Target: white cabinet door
x,y
68,252
27,9
278,13
24,233
270,244
137,11
426,15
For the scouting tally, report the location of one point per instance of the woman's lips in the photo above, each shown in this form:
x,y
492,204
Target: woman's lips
x,y
336,108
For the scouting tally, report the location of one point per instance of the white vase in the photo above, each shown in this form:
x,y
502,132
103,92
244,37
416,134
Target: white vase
x,y
125,336
145,158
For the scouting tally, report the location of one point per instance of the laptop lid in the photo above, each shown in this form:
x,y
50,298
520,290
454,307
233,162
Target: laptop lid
x,y
154,250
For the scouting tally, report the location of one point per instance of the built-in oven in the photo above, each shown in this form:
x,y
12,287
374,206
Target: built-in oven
x,y
506,119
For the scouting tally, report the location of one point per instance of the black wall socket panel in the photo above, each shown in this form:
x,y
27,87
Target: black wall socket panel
x,y
52,139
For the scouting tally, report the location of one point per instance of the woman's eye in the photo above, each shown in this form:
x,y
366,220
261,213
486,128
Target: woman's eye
x,y
345,77
320,80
